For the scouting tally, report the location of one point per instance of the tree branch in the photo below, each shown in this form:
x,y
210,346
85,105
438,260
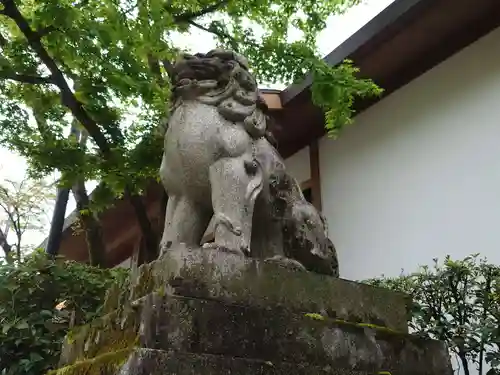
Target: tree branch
x,y
46,30
208,30
11,217
169,68
67,97
189,16
154,66
218,33
4,244
149,236
25,78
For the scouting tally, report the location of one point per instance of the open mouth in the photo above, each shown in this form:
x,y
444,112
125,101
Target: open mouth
x,y
199,69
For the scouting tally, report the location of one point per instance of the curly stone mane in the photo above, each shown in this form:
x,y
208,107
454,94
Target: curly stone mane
x,y
221,78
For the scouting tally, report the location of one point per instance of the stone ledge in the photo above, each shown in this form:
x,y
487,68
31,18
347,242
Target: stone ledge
x,y
214,274
210,327
158,362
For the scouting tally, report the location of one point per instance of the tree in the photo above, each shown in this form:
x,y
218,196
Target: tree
x,y
88,218
105,63
22,207
456,302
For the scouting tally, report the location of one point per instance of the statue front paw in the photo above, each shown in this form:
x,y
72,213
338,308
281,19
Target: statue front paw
x,y
286,263
214,246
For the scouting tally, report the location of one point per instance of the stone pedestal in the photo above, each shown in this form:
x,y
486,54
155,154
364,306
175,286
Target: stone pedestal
x,y
209,312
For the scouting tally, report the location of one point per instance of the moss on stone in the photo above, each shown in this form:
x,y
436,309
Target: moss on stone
x,y
316,316
143,282
105,364
112,332
112,299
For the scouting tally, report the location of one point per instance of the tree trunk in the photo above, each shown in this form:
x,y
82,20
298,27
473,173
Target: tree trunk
x,y
148,235
7,249
18,247
91,226
465,363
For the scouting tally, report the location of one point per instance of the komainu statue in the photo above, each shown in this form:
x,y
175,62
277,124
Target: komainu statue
x,y
219,161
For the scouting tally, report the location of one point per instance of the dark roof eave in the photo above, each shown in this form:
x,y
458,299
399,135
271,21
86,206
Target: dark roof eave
x,y
385,18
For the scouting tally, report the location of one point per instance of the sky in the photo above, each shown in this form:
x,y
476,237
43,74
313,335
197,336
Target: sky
x,y
338,29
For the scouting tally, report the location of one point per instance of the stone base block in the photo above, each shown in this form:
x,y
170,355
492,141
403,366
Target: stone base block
x,y
208,312
214,274
180,324
159,362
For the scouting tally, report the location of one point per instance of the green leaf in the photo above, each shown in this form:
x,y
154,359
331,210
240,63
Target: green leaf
x,y
22,325
35,357
6,328
30,338
454,301
46,313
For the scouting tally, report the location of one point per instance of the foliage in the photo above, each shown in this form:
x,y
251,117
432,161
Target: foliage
x,y
31,327
456,302
22,206
104,64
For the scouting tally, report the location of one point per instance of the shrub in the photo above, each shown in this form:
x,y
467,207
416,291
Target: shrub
x,y
457,302
31,327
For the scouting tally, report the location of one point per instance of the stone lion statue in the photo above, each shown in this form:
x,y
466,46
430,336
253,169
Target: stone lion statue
x,y
219,160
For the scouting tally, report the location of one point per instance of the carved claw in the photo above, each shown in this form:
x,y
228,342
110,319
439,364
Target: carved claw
x,y
221,219
214,246
286,263
164,248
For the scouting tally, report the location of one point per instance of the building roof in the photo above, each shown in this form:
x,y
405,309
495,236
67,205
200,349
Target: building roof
x,y
401,43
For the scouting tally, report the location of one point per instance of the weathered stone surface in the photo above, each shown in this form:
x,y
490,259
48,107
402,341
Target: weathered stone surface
x,y
280,335
105,364
116,331
236,315
214,274
218,162
200,326
158,362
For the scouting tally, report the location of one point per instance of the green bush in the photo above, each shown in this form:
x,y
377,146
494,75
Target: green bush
x,y
31,327
458,302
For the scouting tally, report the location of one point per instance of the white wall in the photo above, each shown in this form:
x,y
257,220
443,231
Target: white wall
x,y
298,165
418,174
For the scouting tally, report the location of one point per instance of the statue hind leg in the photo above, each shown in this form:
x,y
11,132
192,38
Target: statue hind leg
x,y
235,183
185,222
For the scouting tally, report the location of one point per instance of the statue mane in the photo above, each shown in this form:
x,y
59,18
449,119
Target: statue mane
x,y
221,78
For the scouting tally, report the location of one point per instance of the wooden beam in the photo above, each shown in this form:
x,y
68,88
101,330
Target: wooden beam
x,y
273,101
315,174
128,234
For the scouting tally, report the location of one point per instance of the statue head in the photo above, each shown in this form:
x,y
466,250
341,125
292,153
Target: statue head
x,y
217,74
309,230
222,78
